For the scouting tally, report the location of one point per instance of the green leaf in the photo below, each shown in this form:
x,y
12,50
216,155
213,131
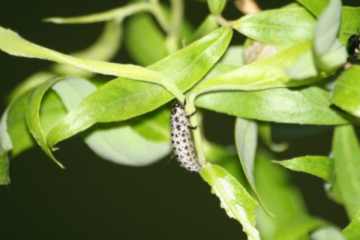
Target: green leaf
x,y
122,99
149,51
13,44
234,57
234,198
118,143
29,83
319,166
226,157
16,124
327,233
154,126
5,139
315,7
352,231
346,153
284,201
52,109
33,120
265,73
117,14
284,26
325,39
207,26
5,146
350,22
246,143
123,145
346,94
104,48
307,106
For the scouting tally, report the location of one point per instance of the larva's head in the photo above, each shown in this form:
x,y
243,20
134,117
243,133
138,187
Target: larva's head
x,y
176,107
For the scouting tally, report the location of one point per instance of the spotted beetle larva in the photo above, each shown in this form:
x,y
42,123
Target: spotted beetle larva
x,y
182,140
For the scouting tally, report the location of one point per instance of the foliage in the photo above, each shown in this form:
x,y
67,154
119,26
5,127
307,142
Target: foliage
x,y
290,69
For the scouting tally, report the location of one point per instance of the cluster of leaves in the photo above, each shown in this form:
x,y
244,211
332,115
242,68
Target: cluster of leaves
x,y
284,73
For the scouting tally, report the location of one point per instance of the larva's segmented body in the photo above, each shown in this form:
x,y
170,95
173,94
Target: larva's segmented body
x,y
182,140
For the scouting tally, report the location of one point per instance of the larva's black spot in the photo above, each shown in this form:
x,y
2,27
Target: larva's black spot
x,y
353,48
181,139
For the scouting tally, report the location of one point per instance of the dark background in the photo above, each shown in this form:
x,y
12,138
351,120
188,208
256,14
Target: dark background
x,y
95,199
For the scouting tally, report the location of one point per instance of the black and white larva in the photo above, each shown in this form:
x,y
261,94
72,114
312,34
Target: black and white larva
x,y
181,139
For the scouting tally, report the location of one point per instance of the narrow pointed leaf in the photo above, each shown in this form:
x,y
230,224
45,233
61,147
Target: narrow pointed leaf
x,y
350,17
325,39
13,44
307,106
327,27
117,14
283,26
234,198
29,83
149,51
118,143
33,119
246,144
103,49
5,146
346,94
350,22
122,99
315,7
284,201
346,153
17,128
5,139
270,72
319,166
207,26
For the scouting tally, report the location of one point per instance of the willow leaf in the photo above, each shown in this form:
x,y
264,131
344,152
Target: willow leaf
x,y
118,143
13,44
117,14
346,152
33,117
234,198
319,166
284,26
122,99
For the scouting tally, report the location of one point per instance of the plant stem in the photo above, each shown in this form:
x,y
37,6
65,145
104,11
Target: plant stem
x,y
176,21
197,135
160,15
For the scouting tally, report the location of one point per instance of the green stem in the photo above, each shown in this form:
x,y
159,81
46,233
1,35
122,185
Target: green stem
x,y
159,14
197,135
176,22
